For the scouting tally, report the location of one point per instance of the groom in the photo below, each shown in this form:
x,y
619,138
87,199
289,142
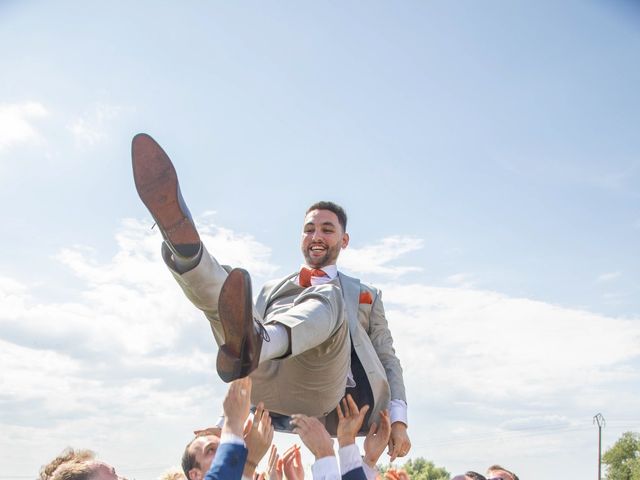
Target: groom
x,y
310,338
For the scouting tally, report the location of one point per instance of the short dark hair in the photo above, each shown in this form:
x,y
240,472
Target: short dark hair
x,y
474,475
332,207
498,467
189,461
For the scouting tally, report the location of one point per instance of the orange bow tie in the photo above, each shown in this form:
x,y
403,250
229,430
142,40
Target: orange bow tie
x,y
304,277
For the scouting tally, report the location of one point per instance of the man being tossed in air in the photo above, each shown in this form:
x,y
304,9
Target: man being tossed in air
x,y
310,338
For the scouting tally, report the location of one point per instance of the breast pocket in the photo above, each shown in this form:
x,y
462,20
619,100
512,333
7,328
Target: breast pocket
x,y
364,312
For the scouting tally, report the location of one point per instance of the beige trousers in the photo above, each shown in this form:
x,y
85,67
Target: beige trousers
x,y
312,379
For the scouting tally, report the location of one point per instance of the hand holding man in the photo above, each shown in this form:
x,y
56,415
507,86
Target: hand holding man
x,y
399,443
236,406
377,439
257,436
349,421
313,435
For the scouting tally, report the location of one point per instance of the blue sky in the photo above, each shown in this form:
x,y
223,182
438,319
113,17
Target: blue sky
x,y
487,154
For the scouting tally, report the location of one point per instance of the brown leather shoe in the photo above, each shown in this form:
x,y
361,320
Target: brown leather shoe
x,y
158,188
240,354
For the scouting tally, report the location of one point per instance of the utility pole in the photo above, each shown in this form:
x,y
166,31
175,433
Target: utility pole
x,y
600,421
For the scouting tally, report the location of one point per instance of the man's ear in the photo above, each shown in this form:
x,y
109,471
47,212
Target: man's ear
x,y
345,240
195,474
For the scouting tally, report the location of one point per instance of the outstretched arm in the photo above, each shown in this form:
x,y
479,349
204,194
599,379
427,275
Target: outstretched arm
x,y
350,419
382,341
232,453
377,440
258,436
317,439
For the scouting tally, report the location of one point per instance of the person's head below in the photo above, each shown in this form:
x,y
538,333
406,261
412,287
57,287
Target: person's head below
x,y
198,455
324,234
173,474
469,476
78,465
496,472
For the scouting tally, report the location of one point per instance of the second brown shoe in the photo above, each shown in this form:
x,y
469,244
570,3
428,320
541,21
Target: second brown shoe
x,y
240,354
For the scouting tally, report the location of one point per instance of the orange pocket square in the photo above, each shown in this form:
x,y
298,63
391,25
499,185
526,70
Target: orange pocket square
x,y
365,297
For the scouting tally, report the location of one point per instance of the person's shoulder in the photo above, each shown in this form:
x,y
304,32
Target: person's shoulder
x,y
228,462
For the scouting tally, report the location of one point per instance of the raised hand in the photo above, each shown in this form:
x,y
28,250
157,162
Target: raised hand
x,y
257,436
377,439
208,431
236,406
292,464
350,420
399,443
274,467
313,435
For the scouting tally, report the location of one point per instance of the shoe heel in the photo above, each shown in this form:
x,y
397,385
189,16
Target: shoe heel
x,y
228,365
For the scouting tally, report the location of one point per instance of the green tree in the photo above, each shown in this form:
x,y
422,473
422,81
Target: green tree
x,y
623,459
421,469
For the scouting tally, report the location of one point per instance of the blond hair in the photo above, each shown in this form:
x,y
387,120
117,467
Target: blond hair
x,y
69,465
172,474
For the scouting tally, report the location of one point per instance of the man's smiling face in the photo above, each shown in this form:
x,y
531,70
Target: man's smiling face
x,y
322,238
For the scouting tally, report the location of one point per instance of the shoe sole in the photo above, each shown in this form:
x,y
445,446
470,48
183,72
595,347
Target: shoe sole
x,y
235,308
157,185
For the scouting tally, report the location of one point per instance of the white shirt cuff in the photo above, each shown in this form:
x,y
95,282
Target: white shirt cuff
x,y
325,468
369,472
398,411
350,458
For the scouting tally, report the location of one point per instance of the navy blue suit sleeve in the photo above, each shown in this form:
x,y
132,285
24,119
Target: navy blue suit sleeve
x,y
228,463
355,474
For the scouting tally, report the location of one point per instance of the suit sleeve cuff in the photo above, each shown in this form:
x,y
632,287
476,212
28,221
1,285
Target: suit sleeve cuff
x,y
398,411
369,472
350,458
325,468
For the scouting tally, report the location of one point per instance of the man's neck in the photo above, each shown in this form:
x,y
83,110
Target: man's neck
x,y
330,270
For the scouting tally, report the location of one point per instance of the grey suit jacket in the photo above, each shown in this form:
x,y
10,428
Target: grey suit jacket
x,y
370,336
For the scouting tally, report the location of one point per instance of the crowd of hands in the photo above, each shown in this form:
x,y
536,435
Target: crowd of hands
x,y
257,433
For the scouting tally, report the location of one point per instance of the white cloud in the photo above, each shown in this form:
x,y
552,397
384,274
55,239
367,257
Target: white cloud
x,y
92,128
464,280
608,276
468,338
614,299
375,259
17,123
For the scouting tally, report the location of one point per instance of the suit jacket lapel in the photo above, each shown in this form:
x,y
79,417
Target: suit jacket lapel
x,y
351,293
